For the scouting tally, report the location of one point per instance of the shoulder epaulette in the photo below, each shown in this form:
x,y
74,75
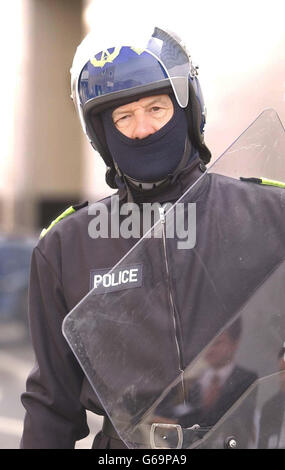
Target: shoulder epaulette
x,y
264,181
68,211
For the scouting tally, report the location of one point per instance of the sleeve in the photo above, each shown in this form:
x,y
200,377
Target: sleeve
x,y
55,418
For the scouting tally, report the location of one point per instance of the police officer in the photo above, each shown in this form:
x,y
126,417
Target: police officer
x,y
141,107
136,112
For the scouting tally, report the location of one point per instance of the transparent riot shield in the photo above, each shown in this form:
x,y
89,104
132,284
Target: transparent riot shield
x,y
190,354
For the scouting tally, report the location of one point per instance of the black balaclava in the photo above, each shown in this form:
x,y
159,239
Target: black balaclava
x,y
155,157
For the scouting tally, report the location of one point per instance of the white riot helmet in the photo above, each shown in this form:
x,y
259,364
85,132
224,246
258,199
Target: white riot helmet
x,y
107,73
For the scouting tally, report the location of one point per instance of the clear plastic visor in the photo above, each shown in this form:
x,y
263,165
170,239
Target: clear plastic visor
x,y
122,68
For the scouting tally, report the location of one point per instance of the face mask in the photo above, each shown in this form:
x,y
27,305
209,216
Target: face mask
x,y
153,158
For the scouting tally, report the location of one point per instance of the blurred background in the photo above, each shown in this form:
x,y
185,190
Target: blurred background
x,y
46,164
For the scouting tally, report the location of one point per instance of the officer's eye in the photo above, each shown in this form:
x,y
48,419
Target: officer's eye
x,y
122,120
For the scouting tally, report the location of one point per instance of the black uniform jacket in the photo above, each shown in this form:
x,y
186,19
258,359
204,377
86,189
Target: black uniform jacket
x,y
58,393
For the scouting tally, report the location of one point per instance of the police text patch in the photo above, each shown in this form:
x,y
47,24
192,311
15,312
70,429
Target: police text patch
x,y
122,277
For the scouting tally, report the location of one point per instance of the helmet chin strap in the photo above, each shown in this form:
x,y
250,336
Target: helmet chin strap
x,y
148,186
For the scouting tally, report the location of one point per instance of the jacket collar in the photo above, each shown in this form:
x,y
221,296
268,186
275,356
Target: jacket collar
x,y
166,192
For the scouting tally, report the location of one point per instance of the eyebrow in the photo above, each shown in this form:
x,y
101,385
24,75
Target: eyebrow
x,y
150,103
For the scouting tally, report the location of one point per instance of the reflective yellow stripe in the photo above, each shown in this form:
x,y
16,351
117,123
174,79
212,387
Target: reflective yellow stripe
x,y
68,211
280,184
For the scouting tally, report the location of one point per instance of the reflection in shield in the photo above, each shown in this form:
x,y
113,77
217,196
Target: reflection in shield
x,y
222,380
212,387
260,342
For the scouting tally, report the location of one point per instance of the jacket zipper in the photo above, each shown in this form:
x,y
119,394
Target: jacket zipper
x,y
171,300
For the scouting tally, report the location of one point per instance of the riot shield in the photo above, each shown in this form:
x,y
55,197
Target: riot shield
x,y
190,356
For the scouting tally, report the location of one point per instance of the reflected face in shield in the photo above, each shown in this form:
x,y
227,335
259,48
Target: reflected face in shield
x,y
222,351
139,119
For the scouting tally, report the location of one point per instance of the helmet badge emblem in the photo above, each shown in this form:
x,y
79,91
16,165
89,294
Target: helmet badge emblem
x,y
108,57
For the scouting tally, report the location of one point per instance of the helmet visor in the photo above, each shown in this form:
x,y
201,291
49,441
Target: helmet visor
x,y
118,69
124,68
175,59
